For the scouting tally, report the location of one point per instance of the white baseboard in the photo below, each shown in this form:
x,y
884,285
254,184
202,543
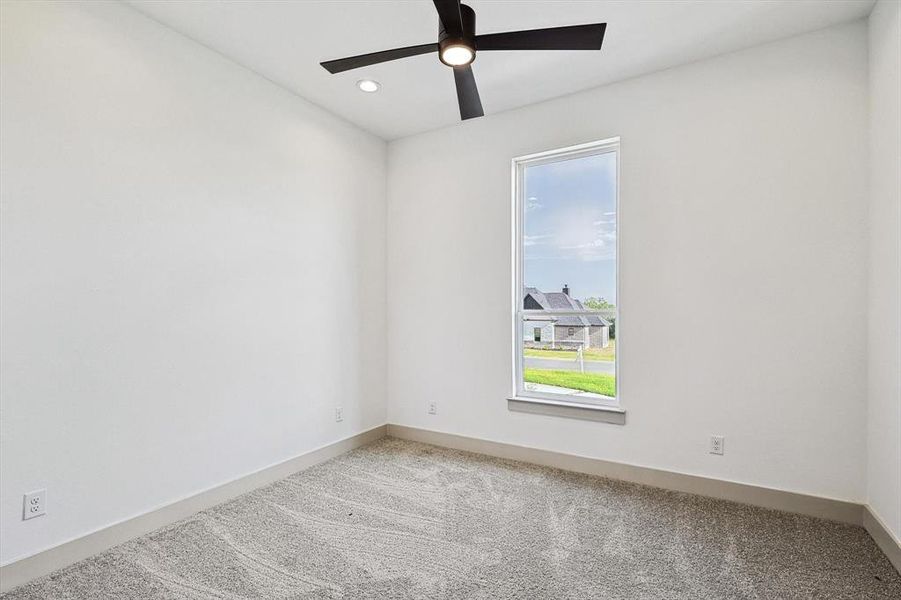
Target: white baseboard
x,y
887,542
814,506
47,561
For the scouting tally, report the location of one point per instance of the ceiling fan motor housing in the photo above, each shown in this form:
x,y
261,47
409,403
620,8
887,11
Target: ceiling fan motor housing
x,y
453,38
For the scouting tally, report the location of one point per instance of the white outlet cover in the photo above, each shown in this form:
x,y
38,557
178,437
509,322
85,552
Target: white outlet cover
x,y
717,444
433,408
339,414
34,504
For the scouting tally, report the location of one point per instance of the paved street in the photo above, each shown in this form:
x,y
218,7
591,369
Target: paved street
x,y
591,366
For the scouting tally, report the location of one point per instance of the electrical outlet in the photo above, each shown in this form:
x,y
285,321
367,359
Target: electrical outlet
x,y
34,504
433,408
717,444
339,414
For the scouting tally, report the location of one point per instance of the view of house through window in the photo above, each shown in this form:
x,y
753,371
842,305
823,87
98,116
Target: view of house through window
x,y
566,271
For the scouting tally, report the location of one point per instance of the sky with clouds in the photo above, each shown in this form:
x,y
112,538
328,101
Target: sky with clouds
x,y
569,227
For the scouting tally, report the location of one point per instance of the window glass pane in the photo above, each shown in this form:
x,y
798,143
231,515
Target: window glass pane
x,y
580,366
569,263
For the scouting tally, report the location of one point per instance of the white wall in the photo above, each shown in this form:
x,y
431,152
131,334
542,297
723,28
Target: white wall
x,y
743,250
188,255
884,465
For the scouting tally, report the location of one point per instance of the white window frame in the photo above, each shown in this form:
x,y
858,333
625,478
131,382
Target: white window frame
x,y
559,404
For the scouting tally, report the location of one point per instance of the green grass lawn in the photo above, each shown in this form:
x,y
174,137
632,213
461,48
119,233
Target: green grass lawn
x,y
599,354
597,383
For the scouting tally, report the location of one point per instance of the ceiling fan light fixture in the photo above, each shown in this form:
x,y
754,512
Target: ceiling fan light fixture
x,y
457,55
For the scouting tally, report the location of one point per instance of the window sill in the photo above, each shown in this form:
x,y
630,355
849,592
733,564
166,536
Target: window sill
x,y
572,410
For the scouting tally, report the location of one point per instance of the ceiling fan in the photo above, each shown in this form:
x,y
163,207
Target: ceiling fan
x,y
458,43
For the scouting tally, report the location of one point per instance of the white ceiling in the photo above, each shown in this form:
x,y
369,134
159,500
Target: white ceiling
x,y
285,41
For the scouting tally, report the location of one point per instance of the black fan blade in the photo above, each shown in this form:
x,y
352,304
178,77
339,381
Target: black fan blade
x,y
449,13
364,60
467,93
575,37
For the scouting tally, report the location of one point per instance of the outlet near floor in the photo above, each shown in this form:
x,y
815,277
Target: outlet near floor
x,y
339,414
717,444
34,504
433,408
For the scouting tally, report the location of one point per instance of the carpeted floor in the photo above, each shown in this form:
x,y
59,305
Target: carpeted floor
x,y
404,520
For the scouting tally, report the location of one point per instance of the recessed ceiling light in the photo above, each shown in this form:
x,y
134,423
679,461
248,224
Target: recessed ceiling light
x,y
368,85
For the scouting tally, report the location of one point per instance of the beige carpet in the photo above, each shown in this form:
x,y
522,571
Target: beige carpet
x,y
405,520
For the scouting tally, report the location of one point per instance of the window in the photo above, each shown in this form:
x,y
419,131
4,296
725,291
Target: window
x,y
565,271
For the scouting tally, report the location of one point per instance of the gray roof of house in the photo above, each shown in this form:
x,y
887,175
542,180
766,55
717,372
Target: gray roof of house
x,y
561,301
